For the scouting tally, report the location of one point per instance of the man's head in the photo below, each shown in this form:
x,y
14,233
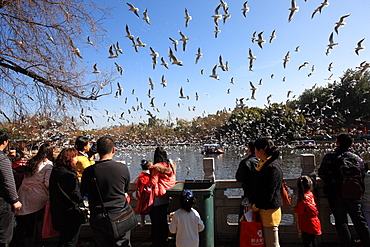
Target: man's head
x,y
105,145
344,140
82,144
3,139
251,147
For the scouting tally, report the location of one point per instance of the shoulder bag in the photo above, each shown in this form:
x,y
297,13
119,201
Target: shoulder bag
x,y
118,226
286,198
82,212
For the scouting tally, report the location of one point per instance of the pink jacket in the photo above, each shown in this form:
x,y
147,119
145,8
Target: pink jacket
x,y
34,191
163,177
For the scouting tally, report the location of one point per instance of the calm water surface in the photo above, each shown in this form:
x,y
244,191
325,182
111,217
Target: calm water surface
x,y
189,160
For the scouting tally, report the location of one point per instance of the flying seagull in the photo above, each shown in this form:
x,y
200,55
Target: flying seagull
x,y
146,17
214,73
286,59
216,16
331,41
96,70
245,9
251,59
187,18
133,9
128,33
340,23
174,42
359,46
292,9
184,40
174,58
260,40
273,36
199,55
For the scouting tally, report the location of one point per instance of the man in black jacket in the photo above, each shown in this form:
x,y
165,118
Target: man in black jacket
x,y
113,179
246,173
330,172
8,194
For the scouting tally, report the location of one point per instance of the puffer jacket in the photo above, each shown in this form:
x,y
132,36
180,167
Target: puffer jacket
x,y
163,177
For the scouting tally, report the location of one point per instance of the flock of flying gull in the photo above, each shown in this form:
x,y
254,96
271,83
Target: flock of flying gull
x,y
221,13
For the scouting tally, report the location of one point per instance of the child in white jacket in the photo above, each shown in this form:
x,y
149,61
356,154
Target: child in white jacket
x,y
186,222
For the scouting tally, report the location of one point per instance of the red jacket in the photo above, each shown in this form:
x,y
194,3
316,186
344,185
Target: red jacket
x,y
163,177
142,181
308,219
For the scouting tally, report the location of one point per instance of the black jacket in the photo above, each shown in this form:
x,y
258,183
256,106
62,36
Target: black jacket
x,y
113,179
268,186
246,175
62,209
329,171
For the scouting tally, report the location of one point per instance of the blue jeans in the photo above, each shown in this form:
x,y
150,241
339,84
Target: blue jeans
x,y
158,217
6,222
340,208
101,236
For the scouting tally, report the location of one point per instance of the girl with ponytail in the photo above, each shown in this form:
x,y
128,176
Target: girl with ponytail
x,y
308,220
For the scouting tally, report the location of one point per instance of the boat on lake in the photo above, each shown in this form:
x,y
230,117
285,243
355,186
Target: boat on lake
x,y
212,149
306,144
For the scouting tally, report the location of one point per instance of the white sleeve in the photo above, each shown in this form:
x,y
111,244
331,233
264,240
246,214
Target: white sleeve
x,y
173,224
200,222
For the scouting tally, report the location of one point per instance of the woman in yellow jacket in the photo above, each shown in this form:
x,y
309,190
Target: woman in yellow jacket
x,y
82,145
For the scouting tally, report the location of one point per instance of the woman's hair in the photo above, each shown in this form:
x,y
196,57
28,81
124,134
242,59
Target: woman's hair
x,y
268,146
304,184
65,157
81,142
160,155
45,152
186,200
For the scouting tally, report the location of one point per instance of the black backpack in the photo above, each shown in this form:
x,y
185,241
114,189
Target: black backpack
x,y
351,171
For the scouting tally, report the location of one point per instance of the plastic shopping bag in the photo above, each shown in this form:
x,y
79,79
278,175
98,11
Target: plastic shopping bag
x,y
47,226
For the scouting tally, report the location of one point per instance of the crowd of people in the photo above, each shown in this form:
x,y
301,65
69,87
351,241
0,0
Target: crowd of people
x,y
83,171
89,172
346,186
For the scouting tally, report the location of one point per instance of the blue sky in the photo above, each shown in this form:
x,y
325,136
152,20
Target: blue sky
x,y
233,42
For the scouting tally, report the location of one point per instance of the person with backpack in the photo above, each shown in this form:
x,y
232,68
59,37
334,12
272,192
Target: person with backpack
x,y
343,174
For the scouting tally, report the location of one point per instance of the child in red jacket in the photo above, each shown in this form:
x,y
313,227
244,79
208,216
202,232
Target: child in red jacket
x,y
142,180
306,208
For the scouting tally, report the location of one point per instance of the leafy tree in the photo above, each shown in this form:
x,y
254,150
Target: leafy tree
x,y
41,64
277,121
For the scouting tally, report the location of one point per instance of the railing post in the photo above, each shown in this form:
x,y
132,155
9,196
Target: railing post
x,y
308,165
209,168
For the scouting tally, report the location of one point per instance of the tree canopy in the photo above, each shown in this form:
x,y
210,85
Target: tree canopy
x,y
41,64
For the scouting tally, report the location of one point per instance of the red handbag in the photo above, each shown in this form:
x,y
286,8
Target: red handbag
x,y
47,226
286,198
251,234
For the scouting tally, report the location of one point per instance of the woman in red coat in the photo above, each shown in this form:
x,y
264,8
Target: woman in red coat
x,y
308,214
162,177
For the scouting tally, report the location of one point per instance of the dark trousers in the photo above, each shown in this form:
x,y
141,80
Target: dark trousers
x,y
309,240
340,208
158,217
26,225
101,235
69,235
6,222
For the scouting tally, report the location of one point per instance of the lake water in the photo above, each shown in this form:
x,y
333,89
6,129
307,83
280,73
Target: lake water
x,y
189,160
